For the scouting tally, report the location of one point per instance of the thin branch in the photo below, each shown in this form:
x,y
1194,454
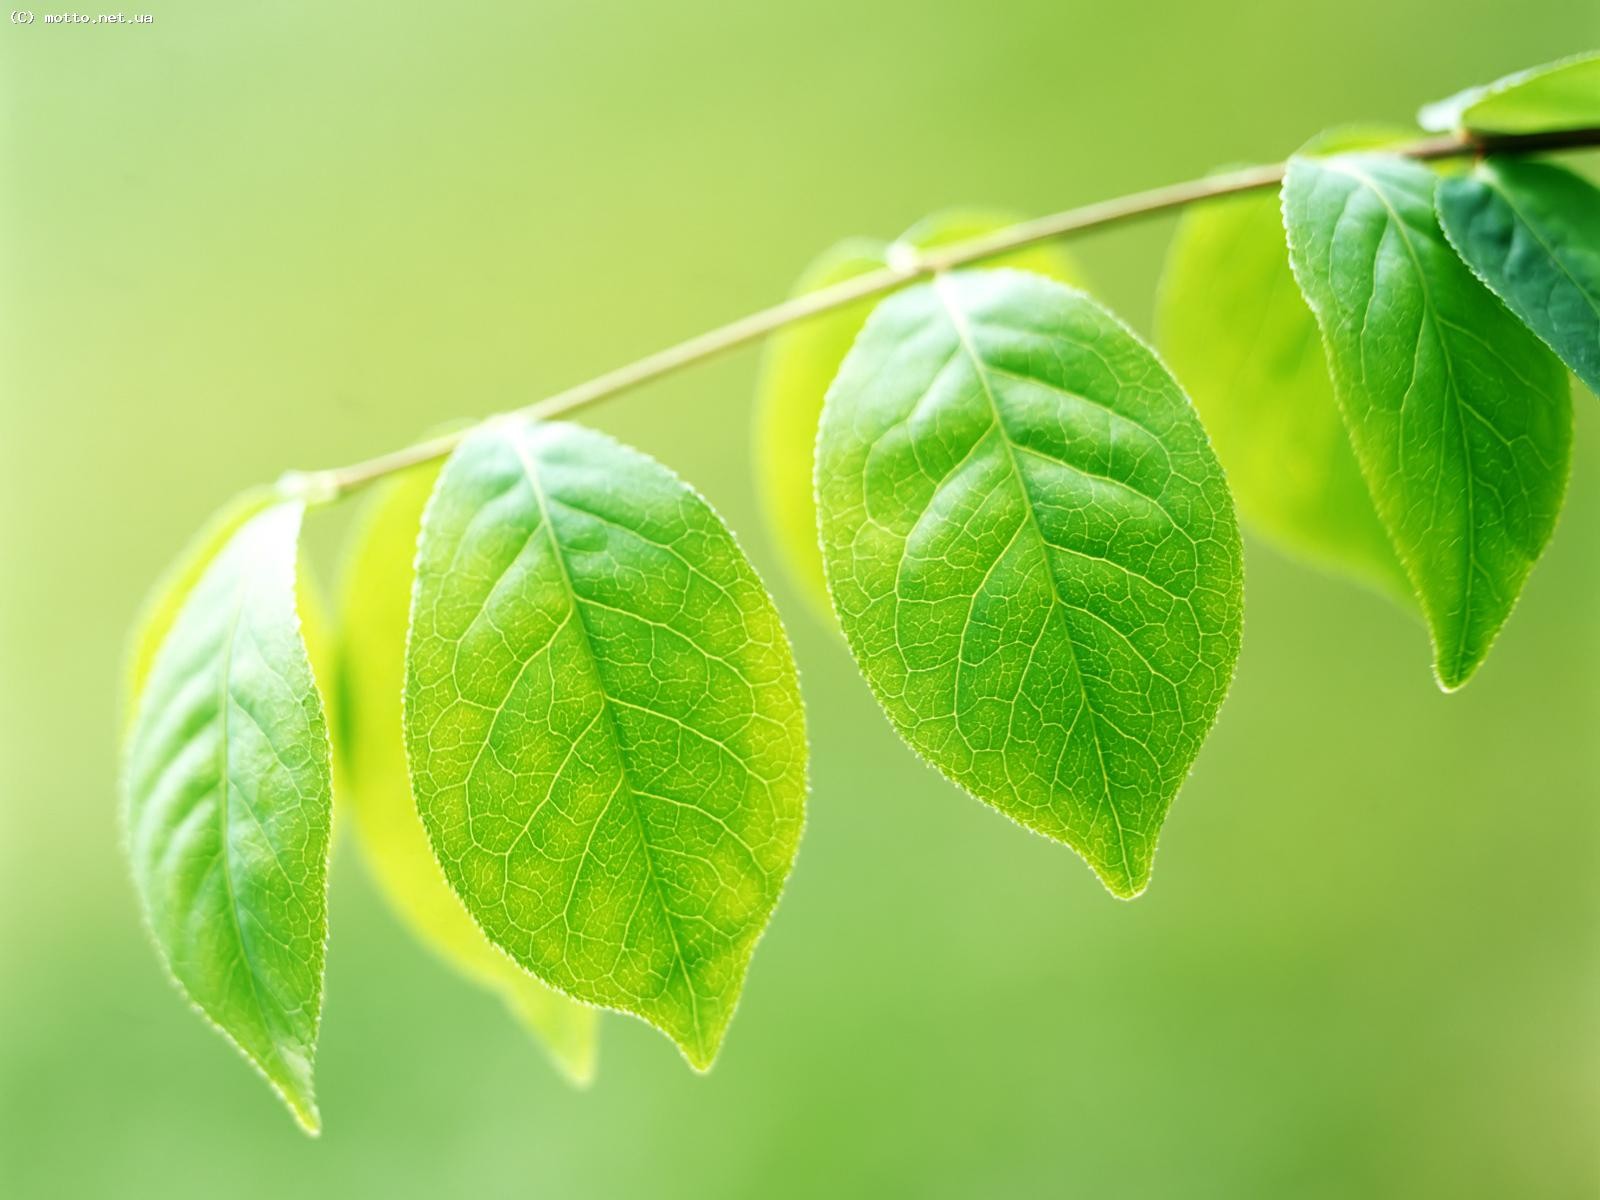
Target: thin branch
x,y
906,266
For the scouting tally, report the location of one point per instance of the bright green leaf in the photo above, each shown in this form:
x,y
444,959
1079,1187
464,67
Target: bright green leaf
x,y
802,360
172,589
1558,95
228,805
375,610
1243,343
603,724
1531,231
1033,555
1460,418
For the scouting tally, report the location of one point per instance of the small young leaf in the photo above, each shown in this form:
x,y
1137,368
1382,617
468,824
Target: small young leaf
x,y
1460,418
603,724
1559,95
1531,231
228,805
802,360
375,609
1033,556
1243,343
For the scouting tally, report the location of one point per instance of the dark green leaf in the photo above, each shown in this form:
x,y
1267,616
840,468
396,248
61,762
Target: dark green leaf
x,y
1531,231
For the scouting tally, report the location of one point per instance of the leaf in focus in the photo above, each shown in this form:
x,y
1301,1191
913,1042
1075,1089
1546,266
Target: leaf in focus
x,y
802,360
1559,95
603,724
1460,418
374,611
1033,556
1531,231
1236,332
228,805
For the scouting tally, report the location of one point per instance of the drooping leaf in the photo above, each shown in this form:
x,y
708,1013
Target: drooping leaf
x,y
1244,345
228,805
802,360
375,609
1531,231
1559,95
172,589
1033,555
1460,418
603,724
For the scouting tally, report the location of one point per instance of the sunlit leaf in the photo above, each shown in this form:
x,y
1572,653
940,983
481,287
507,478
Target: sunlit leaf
x,y
802,360
228,805
1460,418
375,608
1244,345
1558,95
1033,556
1531,231
603,724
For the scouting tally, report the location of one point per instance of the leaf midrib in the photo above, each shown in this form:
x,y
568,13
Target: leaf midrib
x,y
575,605
963,334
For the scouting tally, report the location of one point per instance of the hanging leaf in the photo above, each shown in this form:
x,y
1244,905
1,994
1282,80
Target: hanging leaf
x,y
1033,556
603,724
1236,332
1559,95
802,360
228,807
376,606
1531,231
1459,417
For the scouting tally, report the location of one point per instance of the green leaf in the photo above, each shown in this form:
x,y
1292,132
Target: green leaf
x,y
374,613
1236,332
603,724
1559,95
802,360
1033,556
1460,418
228,805
172,589
1531,231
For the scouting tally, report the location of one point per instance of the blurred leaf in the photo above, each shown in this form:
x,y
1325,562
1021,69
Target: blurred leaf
x,y
1531,231
603,724
1033,556
229,805
802,360
375,607
1460,418
1559,95
1243,343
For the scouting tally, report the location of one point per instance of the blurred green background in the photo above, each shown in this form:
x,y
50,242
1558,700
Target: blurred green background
x,y
248,237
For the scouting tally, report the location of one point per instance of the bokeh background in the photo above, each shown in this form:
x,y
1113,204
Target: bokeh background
x,y
248,237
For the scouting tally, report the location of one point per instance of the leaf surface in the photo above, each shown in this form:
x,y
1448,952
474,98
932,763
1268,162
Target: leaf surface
x,y
802,360
603,724
1558,95
228,805
1460,418
1033,556
1241,340
1531,231
374,612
